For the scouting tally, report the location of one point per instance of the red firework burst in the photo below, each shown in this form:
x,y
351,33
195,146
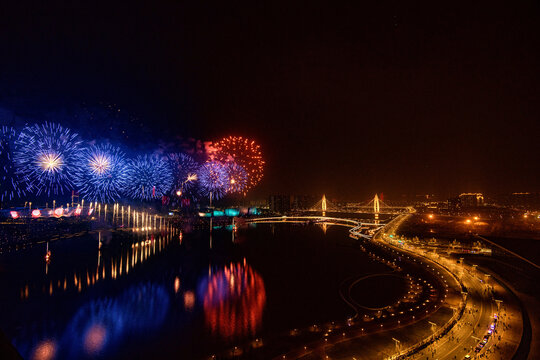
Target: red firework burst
x,y
246,153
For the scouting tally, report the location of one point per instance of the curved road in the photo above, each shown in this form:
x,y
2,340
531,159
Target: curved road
x,y
474,324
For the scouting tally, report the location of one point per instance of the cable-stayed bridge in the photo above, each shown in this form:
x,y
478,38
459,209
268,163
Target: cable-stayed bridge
x,y
375,206
358,229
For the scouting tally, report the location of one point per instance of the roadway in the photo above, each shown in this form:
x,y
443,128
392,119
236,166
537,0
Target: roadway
x,y
474,324
463,338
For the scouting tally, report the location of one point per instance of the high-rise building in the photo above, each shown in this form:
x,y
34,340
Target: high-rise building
x,y
284,203
468,200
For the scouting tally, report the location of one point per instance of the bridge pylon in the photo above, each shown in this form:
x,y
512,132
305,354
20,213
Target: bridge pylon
x,y
323,205
376,207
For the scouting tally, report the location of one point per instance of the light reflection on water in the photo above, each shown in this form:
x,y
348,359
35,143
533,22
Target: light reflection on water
x,y
45,350
233,300
112,267
147,296
102,325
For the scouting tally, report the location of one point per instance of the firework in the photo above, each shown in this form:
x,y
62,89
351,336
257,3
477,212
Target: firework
x,y
244,152
237,178
213,178
46,156
150,177
9,181
102,173
184,170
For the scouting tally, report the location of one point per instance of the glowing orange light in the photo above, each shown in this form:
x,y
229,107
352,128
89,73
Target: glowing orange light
x,y
430,216
45,350
36,213
14,214
189,300
468,221
58,211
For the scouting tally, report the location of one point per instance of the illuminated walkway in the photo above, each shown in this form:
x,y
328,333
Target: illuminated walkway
x,y
358,228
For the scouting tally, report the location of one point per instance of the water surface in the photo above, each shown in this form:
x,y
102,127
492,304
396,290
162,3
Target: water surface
x,y
188,294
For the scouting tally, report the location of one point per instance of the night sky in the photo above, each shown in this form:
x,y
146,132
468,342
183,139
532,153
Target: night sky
x,y
347,99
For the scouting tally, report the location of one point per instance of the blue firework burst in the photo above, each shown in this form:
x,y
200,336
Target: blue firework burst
x,y
46,157
184,170
102,174
9,181
237,178
150,177
213,178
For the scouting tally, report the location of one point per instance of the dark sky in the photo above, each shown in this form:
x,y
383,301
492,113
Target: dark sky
x,y
348,99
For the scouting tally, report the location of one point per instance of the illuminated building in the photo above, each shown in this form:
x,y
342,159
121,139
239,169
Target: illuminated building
x,y
468,200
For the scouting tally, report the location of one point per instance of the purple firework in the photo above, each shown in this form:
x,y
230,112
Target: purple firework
x,y
213,178
237,178
184,170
